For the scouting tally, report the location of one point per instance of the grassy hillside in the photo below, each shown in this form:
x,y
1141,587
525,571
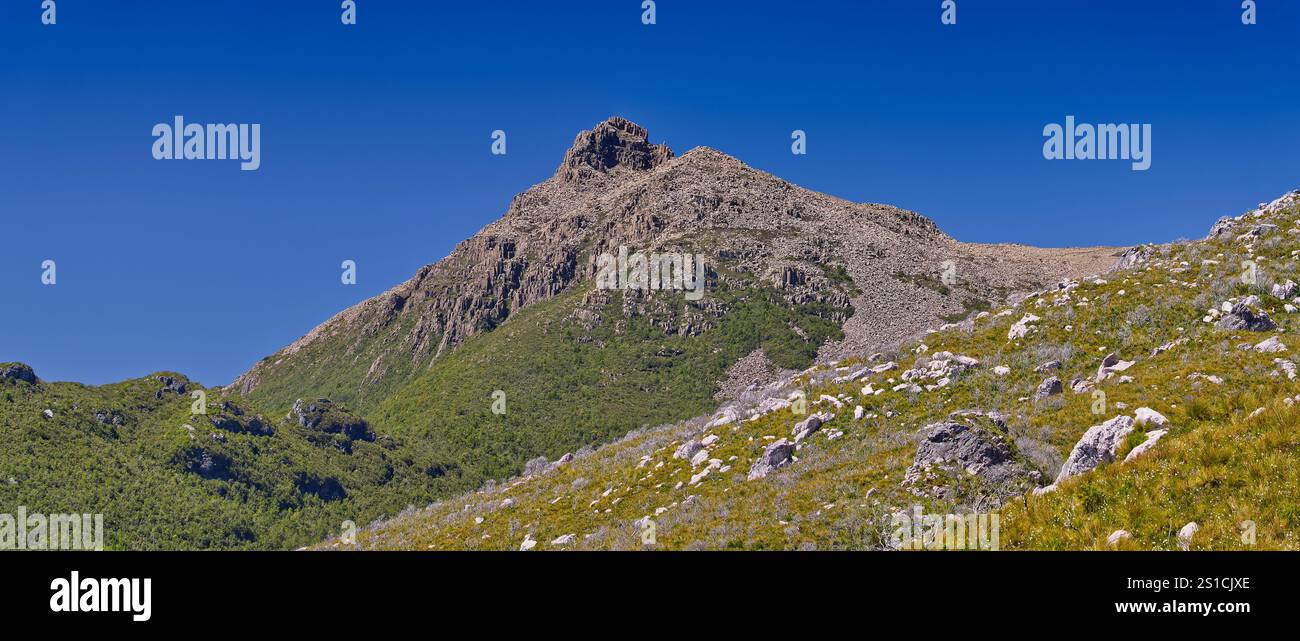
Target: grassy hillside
x,y
568,386
235,480
337,366
1231,455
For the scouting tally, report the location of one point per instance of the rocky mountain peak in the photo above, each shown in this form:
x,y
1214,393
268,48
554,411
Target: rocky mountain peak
x,y
615,189
616,143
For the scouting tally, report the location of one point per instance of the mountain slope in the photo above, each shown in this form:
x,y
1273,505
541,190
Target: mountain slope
x,y
615,189
971,418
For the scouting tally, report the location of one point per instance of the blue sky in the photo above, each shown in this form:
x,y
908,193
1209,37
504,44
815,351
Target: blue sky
x,y
375,138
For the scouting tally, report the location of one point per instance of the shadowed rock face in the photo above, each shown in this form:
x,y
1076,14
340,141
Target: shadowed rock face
x,y
615,143
18,372
614,188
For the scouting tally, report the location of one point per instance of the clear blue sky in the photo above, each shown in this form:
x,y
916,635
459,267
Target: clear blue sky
x,y
375,138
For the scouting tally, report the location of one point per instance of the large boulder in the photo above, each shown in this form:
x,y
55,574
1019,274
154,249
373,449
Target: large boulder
x,y
241,425
774,456
964,448
1098,445
1223,228
1135,256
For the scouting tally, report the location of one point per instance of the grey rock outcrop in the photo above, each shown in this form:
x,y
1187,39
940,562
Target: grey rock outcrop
x,y
1049,387
963,448
774,456
330,423
803,429
1243,317
1286,290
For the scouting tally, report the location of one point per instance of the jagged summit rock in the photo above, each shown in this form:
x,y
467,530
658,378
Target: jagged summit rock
x,y
616,143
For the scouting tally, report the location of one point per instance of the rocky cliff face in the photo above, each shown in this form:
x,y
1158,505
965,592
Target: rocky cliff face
x,y
877,269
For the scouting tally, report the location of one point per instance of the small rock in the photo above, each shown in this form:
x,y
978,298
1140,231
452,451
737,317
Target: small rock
x,y
700,457
1287,367
1117,536
1185,535
803,429
1049,366
1111,365
1145,415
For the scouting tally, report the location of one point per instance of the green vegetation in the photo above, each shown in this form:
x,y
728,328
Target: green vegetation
x,y
928,281
235,480
969,306
568,386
